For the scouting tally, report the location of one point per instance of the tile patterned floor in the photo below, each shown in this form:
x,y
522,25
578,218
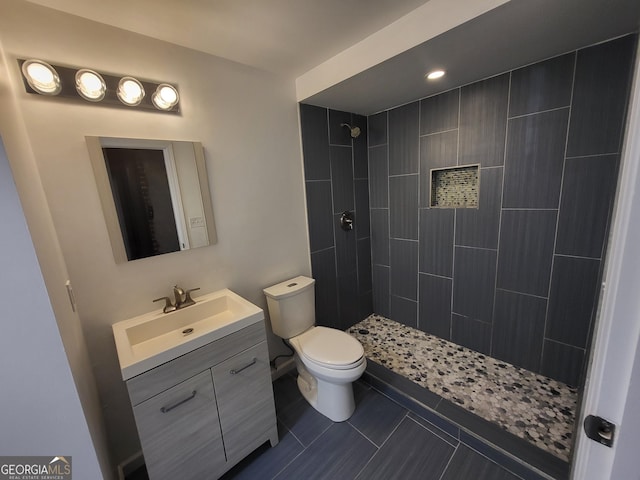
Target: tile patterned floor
x,y
382,440
533,407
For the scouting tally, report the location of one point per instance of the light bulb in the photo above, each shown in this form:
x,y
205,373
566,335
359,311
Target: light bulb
x,y
90,85
165,97
435,74
130,91
42,77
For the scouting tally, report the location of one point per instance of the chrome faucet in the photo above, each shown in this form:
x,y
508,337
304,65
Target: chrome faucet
x,y
178,293
182,299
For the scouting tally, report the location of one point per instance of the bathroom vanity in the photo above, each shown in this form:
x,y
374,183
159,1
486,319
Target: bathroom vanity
x,y
201,412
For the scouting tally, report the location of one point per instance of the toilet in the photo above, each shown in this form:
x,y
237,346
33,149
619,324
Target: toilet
x,y
328,360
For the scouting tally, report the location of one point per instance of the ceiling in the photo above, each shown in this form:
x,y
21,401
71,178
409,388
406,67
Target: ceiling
x,y
291,37
288,37
515,34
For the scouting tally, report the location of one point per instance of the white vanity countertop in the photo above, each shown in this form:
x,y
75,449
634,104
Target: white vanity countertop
x,y
154,338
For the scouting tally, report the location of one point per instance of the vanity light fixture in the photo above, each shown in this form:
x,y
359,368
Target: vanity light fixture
x,y
435,74
130,91
90,85
42,77
165,97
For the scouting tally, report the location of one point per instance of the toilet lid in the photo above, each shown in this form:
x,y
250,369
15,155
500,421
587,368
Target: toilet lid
x,y
330,346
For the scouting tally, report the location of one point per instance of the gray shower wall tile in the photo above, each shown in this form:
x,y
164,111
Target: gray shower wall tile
x,y
381,296
542,86
319,211
377,129
362,224
365,303
436,241
436,151
574,286
440,112
483,121
323,269
474,279
341,179
518,329
478,227
526,250
345,240
404,268
364,265
348,306
379,177
471,333
404,311
339,135
588,192
600,95
403,139
315,142
534,160
435,305
403,206
563,362
360,148
380,236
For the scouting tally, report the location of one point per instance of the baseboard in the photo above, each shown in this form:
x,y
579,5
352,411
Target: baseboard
x,y
282,368
130,465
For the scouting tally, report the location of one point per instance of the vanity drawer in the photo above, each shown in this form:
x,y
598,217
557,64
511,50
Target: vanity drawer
x,y
165,376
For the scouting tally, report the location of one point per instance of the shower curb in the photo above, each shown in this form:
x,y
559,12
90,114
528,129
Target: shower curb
x,y
507,450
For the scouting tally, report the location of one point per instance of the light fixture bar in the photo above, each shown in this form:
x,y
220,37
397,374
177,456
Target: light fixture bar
x,y
90,89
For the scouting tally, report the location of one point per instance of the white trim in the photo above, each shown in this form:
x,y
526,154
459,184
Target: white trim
x,y
176,197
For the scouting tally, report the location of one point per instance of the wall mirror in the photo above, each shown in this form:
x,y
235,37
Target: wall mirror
x,y
154,194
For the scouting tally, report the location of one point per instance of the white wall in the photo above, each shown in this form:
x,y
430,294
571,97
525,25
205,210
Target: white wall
x,y
40,409
54,271
247,122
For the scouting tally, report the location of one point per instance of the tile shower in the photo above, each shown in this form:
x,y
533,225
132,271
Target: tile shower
x,y
515,279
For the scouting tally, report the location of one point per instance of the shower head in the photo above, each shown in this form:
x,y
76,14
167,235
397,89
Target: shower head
x,y
355,131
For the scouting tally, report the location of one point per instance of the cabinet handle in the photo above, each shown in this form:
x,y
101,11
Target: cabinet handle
x,y
234,371
168,409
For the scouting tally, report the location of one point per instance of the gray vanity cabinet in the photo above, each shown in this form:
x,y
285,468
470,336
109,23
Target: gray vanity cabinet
x,y
241,384
200,414
180,432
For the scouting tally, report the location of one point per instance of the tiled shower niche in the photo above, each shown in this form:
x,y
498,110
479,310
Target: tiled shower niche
x,y
455,187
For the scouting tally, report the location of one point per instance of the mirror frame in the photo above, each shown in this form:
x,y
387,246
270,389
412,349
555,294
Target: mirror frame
x,y
98,162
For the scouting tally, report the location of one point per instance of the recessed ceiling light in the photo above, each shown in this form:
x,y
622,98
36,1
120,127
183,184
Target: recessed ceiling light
x,y
42,77
435,74
130,91
90,85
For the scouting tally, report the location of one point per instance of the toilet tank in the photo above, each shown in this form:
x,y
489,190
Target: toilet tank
x,y
292,306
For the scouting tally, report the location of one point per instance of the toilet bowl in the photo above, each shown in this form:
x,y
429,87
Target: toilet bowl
x,y
328,360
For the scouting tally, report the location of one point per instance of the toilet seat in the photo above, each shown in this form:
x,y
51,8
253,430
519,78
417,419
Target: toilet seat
x,y
329,348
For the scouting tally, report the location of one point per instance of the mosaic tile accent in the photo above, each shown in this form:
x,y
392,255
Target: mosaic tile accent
x,y
526,404
455,187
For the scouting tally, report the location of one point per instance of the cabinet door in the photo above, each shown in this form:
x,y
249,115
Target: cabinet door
x,y
245,400
180,432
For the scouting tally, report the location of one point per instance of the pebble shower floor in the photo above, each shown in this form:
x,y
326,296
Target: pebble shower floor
x,y
526,404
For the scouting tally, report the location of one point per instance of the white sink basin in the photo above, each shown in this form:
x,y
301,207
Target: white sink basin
x,y
146,341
